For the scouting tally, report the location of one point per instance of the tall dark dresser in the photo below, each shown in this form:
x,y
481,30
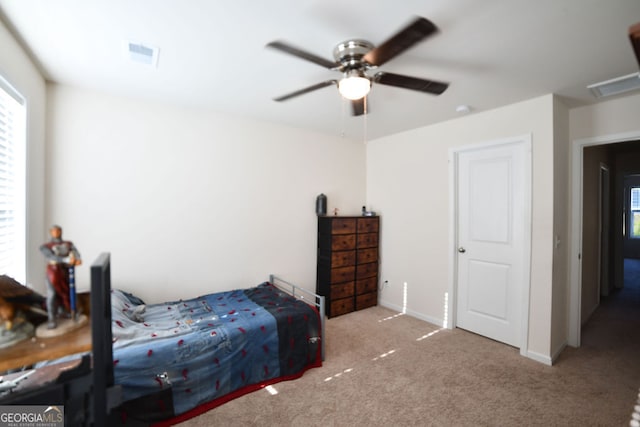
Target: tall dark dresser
x,y
347,274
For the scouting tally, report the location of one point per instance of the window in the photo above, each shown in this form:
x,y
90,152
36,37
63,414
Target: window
x,y
12,182
634,213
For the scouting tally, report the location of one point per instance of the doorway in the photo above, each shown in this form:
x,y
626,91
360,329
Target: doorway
x,y
581,247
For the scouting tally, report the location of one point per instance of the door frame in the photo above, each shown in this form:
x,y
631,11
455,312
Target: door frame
x,y
604,229
451,298
575,271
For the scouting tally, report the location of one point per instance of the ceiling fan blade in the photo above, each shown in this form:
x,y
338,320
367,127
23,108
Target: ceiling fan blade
x,y
292,50
306,90
413,83
634,36
401,41
360,106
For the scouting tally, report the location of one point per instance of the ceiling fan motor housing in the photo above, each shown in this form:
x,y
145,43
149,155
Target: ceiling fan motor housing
x,y
349,54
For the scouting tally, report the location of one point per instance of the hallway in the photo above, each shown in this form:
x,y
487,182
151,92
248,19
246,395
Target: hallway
x,y
615,325
613,332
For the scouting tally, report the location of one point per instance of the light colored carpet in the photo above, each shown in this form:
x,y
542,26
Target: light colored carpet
x,y
386,369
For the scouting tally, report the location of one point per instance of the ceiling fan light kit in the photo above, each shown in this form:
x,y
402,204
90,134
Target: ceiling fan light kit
x,y
355,57
355,85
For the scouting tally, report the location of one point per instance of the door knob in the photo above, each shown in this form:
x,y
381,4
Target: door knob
x,y
462,250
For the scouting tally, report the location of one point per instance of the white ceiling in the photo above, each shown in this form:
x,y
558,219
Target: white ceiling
x,y
213,55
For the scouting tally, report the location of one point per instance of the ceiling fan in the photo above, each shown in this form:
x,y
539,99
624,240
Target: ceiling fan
x,y
353,58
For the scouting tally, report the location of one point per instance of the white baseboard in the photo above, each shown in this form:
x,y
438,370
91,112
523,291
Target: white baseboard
x,y
433,320
539,358
439,322
556,354
546,359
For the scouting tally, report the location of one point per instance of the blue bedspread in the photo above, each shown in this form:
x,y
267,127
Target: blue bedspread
x,y
212,346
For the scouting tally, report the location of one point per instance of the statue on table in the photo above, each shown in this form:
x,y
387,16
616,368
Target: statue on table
x,y
20,308
62,257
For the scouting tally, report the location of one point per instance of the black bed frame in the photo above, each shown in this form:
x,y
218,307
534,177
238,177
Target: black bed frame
x,y
87,391
106,395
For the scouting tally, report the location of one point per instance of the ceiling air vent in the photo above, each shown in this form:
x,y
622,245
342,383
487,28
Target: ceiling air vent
x,y
142,53
616,86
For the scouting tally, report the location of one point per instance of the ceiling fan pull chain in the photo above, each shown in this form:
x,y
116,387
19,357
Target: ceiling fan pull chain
x,y
364,131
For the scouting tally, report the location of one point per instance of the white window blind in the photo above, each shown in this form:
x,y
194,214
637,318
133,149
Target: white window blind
x,y
12,182
635,198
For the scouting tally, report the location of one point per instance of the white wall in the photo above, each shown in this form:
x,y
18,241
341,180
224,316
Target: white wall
x,y
407,183
19,70
615,116
190,201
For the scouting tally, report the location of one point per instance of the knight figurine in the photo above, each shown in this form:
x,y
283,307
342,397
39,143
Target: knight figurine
x,y
62,256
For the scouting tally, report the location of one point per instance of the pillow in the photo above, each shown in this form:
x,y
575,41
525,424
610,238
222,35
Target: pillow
x,y
134,299
121,303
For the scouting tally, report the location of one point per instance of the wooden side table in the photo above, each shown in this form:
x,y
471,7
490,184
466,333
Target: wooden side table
x,y
30,351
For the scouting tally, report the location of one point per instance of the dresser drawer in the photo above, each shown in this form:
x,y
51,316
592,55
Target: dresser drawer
x,y
367,285
341,306
367,255
367,225
368,240
342,290
343,226
342,274
366,300
343,258
343,242
367,270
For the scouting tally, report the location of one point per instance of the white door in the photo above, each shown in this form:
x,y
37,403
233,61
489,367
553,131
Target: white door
x,y
493,230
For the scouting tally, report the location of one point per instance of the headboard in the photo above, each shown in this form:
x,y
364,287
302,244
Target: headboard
x,y
105,395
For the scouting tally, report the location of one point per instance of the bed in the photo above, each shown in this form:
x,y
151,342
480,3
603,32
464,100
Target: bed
x,y
177,359
164,363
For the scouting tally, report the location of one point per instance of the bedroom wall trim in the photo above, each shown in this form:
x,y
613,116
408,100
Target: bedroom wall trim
x,y
575,272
